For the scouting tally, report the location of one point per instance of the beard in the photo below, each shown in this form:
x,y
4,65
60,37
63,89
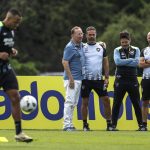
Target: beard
x,y
92,39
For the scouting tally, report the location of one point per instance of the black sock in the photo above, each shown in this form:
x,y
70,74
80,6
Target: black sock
x,y
18,127
84,121
145,124
108,122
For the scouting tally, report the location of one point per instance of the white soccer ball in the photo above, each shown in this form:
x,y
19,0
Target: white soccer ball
x,y
28,103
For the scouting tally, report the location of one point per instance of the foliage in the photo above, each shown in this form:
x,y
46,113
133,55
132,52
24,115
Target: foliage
x,y
24,68
46,25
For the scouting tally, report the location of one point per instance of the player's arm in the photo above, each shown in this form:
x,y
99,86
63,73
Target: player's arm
x,y
119,61
106,70
4,55
106,67
144,63
135,61
147,61
68,72
83,60
103,44
68,54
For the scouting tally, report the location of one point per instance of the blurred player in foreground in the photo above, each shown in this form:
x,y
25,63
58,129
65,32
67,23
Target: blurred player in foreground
x,y
8,80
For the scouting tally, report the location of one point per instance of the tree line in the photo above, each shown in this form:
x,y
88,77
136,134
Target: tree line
x,y
46,25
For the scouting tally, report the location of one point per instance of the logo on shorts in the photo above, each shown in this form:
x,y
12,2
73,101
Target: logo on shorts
x,y
83,87
4,33
136,85
117,84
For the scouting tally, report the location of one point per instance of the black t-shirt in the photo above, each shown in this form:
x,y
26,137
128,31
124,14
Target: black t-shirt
x,y
6,40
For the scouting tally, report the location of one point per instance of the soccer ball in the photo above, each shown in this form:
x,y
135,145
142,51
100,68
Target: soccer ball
x,y
28,103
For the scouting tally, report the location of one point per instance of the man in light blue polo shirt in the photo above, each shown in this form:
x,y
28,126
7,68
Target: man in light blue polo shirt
x,y
72,63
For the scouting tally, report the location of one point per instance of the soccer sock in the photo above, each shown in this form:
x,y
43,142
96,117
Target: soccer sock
x,y
84,122
145,124
108,122
18,127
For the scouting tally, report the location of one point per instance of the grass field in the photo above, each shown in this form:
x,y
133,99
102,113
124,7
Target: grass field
x,y
78,140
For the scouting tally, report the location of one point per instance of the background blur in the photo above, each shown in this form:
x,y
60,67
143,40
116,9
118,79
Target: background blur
x,y
46,25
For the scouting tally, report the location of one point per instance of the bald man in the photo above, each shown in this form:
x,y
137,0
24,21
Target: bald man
x,y
8,80
145,64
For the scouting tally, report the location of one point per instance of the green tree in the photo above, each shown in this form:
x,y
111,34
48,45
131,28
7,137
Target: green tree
x,y
46,26
24,69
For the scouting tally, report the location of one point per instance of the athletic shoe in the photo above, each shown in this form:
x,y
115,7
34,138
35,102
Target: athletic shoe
x,y
73,128
22,137
111,128
142,128
69,129
86,127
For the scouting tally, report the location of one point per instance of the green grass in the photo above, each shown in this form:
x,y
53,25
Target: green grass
x,y
78,140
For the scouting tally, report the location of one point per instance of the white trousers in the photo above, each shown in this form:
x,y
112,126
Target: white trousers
x,y
72,98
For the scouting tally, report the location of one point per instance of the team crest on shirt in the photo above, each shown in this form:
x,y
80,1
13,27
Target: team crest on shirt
x,y
131,52
123,55
98,49
83,87
146,52
117,84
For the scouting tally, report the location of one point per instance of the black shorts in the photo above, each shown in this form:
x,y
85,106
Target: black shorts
x,y
145,84
96,85
8,80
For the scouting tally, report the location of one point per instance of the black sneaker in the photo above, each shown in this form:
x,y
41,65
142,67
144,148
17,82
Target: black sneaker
x,y
142,128
86,127
111,128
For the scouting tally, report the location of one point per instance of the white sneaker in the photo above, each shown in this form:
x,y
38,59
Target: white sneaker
x,y
22,137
